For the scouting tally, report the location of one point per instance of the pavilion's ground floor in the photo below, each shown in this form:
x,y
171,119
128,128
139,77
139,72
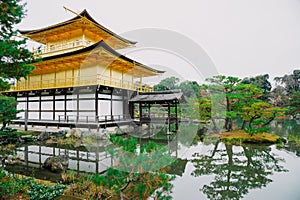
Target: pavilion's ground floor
x,y
94,106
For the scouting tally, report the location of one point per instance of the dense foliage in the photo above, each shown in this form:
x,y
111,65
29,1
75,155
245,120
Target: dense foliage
x,y
261,82
248,101
287,92
137,173
26,188
14,56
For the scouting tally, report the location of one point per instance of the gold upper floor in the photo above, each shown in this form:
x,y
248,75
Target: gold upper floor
x,y
62,47
80,52
97,64
81,30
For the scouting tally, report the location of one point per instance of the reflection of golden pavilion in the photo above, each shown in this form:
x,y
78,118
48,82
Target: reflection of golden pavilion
x,y
80,74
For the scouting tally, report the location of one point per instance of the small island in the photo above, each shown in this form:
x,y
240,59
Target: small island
x,y
240,137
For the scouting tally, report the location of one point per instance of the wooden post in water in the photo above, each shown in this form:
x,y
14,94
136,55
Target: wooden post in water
x,y
169,115
77,159
40,156
26,156
97,159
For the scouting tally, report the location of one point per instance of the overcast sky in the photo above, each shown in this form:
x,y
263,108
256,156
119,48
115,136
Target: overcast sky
x,y
241,37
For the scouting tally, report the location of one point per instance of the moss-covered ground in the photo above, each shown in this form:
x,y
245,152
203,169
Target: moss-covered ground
x,y
240,136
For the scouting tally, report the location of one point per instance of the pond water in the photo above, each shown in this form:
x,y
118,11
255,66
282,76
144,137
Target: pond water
x,y
217,171
206,169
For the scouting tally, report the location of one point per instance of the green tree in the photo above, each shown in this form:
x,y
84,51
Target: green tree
x,y
190,89
8,110
260,114
261,82
14,57
242,101
279,96
138,172
169,83
291,82
294,103
286,93
246,95
228,84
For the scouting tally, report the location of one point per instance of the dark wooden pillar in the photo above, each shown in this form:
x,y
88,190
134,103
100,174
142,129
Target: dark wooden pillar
x,y
140,111
53,110
96,104
176,116
40,106
111,105
169,118
65,106
26,113
77,105
131,110
149,107
125,103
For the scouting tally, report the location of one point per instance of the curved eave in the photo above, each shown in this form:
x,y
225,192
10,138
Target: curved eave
x,y
85,14
106,47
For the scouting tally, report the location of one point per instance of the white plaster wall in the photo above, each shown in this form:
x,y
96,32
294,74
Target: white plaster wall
x,y
47,115
33,105
46,105
86,105
104,108
33,115
59,105
117,108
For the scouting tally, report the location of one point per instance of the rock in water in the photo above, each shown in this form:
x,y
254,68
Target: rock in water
x,y
43,136
56,163
201,132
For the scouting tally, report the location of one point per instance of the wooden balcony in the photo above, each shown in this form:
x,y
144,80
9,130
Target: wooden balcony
x,y
50,50
81,81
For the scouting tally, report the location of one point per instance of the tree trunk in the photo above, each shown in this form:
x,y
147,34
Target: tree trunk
x,y
250,122
228,121
270,120
244,125
3,126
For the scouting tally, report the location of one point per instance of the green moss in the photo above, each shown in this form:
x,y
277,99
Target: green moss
x,y
211,138
239,136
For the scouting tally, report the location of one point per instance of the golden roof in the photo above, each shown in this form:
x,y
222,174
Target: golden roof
x,y
98,53
83,23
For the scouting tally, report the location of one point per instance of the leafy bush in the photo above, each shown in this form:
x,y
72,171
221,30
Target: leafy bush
x,y
10,185
43,192
252,131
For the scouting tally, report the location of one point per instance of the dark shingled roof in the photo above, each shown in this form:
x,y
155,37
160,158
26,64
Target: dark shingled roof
x,y
163,96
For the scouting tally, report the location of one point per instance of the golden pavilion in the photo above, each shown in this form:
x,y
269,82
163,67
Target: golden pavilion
x,y
81,77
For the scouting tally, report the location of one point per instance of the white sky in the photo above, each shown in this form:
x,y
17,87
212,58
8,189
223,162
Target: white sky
x,y
242,37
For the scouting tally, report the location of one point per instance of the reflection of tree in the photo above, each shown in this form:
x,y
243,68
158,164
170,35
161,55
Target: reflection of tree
x,y
289,129
236,172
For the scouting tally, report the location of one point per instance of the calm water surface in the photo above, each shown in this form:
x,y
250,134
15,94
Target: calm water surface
x,y
214,170
205,170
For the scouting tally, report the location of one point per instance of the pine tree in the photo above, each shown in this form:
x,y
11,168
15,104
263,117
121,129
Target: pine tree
x,y
14,56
